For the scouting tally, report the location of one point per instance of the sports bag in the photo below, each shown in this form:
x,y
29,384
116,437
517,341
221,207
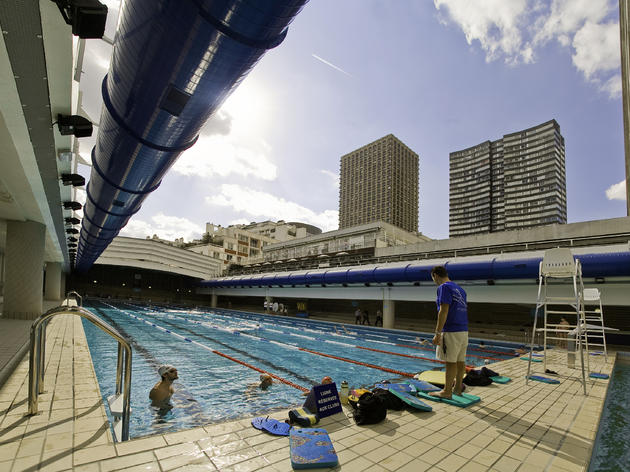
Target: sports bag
x,y
370,409
391,401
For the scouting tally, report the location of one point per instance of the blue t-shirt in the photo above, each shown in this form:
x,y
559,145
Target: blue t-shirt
x,y
455,297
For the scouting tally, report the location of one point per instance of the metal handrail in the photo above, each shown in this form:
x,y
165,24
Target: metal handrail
x,y
76,295
37,353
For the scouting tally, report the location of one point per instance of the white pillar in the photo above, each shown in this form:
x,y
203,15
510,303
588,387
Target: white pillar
x,y
269,303
24,270
389,316
213,301
52,287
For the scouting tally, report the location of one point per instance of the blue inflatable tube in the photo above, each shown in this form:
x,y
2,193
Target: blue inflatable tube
x,y
174,63
593,265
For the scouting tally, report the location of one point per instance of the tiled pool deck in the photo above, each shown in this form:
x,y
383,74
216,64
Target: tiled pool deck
x,y
515,427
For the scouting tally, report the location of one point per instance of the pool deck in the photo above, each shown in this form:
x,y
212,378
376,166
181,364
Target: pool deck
x,y
515,427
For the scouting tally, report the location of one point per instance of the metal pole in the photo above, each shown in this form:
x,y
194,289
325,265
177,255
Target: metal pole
x,y
42,356
624,31
127,394
119,369
33,367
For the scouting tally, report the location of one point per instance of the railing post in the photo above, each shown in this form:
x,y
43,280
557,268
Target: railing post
x,y
127,397
119,369
42,356
33,368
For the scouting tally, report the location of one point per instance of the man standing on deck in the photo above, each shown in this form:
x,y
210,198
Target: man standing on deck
x,y
451,331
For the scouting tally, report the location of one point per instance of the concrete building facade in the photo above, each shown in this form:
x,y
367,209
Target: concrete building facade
x,y
516,182
379,182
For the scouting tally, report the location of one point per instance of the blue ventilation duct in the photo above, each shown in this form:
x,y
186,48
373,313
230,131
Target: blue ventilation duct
x,y
614,264
174,63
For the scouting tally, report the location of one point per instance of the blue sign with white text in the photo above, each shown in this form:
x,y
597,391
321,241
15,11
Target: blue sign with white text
x,y
323,400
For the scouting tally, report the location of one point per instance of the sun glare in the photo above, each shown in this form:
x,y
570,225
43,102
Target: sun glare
x,y
249,108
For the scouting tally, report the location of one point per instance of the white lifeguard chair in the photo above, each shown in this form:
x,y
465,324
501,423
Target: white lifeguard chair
x,y
594,319
558,263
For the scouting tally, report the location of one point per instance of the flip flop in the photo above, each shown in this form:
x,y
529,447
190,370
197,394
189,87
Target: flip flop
x,y
259,422
279,428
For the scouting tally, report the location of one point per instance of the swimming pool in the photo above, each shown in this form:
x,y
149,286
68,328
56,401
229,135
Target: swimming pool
x,y
610,450
220,353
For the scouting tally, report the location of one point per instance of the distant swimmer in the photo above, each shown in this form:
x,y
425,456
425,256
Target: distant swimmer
x,y
162,391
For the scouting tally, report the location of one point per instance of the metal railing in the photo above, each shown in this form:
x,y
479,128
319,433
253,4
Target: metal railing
x,y
76,295
37,355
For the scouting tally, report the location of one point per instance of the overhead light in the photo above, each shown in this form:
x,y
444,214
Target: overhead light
x,y
72,240
87,17
71,220
72,244
72,206
75,180
75,125
72,231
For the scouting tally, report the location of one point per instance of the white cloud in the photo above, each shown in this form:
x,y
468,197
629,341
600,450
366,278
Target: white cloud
x,y
166,227
596,48
494,23
333,176
219,156
513,30
617,191
568,16
263,205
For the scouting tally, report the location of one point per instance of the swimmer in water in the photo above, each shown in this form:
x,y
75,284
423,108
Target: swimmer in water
x,y
162,391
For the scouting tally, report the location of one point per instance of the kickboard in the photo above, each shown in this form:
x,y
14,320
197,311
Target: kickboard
x,y
311,448
533,360
463,400
423,386
402,387
540,378
279,428
500,379
412,401
595,375
434,377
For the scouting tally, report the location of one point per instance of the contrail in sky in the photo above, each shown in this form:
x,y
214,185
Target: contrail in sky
x,y
331,65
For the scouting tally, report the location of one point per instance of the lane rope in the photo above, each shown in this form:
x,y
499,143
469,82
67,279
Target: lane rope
x,y
467,355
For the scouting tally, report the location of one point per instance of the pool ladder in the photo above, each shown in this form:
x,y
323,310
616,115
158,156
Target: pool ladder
x,y
120,402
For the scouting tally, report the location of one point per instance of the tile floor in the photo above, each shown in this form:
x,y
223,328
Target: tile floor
x,y
515,427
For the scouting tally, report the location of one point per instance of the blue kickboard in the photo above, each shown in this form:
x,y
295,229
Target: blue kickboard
x,y
279,428
412,401
463,400
540,378
501,379
311,448
423,386
402,387
595,375
533,360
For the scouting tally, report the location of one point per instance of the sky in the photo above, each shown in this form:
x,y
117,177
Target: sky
x,y
440,75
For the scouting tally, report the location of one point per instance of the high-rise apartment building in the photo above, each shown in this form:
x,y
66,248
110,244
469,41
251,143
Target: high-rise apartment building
x,y
513,183
379,182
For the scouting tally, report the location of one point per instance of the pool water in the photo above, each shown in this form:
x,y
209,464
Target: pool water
x,y
214,388
610,451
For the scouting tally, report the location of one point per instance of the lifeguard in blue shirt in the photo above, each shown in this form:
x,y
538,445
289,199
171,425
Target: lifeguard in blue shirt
x,y
451,331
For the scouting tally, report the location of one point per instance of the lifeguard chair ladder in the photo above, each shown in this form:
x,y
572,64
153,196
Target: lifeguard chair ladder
x,y
558,263
594,319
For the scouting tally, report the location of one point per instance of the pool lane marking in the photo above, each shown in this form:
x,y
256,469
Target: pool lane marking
x,y
214,351
260,338
467,355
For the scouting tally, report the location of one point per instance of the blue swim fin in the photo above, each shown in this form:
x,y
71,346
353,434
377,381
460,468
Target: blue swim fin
x,y
279,428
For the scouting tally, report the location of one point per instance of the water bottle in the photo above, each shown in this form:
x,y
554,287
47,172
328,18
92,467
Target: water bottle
x,y
343,394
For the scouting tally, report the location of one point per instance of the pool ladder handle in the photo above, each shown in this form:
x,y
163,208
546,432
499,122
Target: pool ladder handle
x,y
123,367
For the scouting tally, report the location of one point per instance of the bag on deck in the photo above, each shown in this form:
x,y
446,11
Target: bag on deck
x,y
477,378
391,401
370,409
